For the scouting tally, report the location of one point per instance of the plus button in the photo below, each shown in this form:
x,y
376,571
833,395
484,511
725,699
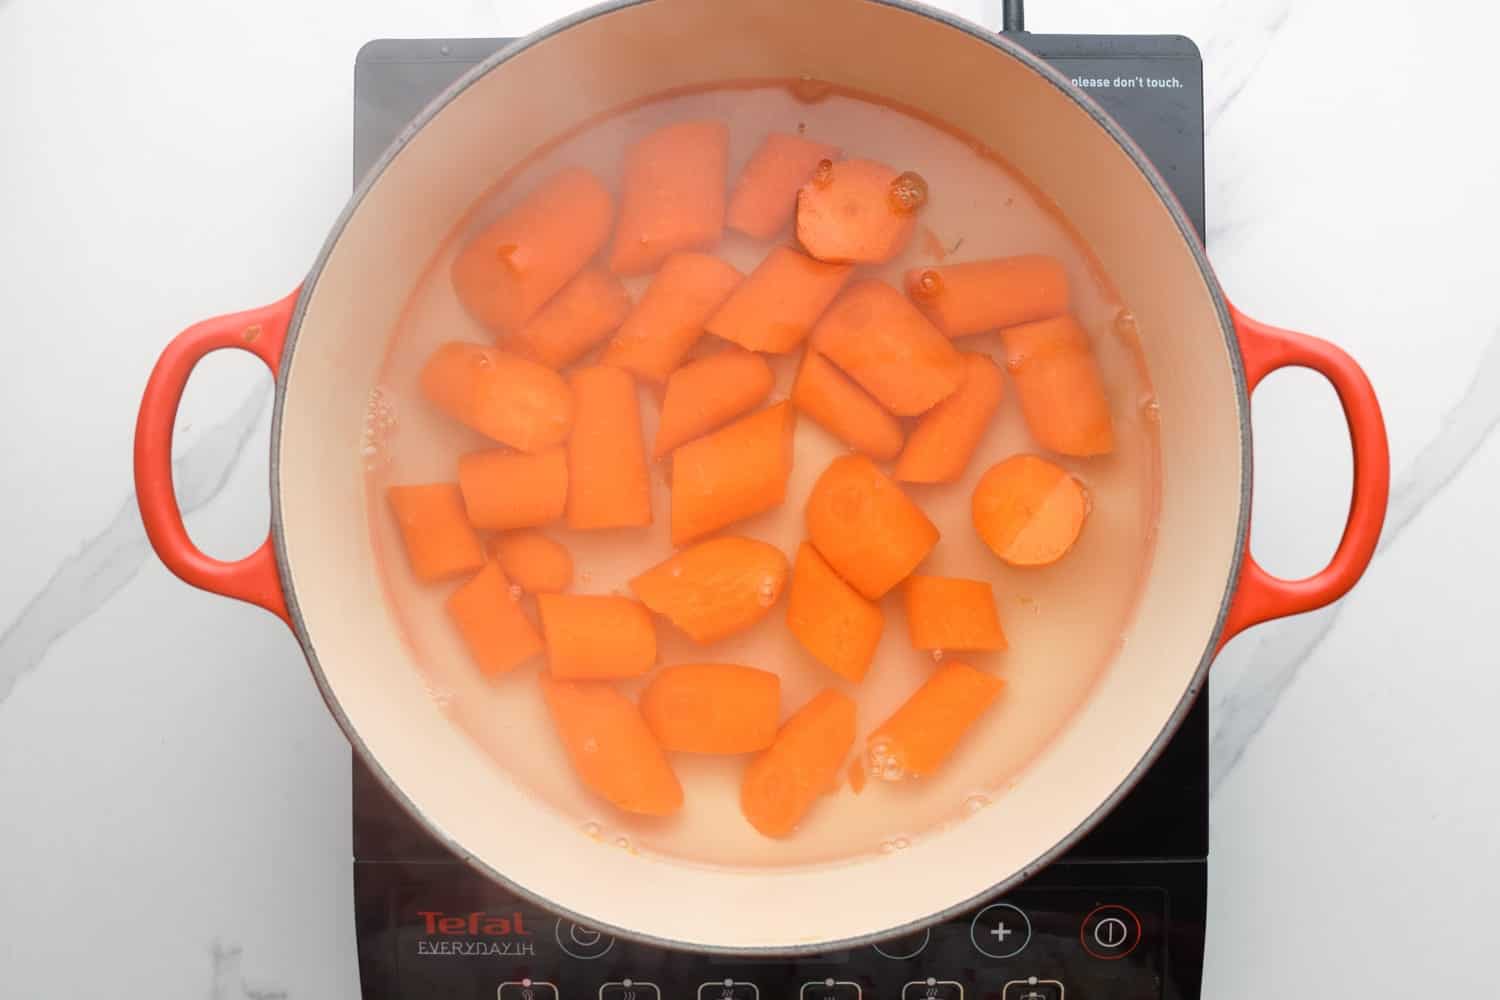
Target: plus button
x,y
1000,930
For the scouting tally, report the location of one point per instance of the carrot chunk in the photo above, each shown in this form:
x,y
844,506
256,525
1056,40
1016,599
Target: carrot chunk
x,y
673,196
669,319
952,614
707,394
830,619
927,728
440,542
712,708
849,213
1029,511
502,396
734,473
844,409
505,489
1059,387
774,308
609,484
940,446
784,782
870,532
499,635
981,295
882,342
575,321
506,273
596,636
765,196
611,747
538,564
716,588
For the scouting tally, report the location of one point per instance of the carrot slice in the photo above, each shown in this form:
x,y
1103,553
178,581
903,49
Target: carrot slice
x,y
505,489
575,321
774,308
869,531
844,409
1058,384
673,197
538,564
882,342
947,435
440,542
502,396
948,613
830,619
607,472
669,319
765,196
716,588
923,733
596,636
489,617
734,473
611,747
1029,511
847,213
709,393
712,708
984,295
801,766
504,275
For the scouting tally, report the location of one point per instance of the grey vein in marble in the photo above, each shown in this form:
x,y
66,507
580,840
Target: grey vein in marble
x,y
106,562
228,984
1284,651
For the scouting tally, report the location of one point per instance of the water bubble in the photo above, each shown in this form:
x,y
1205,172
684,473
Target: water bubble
x,y
1126,328
515,592
937,656
482,360
886,847
590,745
809,90
900,843
623,843
676,572
976,802
891,771
926,284
1014,363
1150,409
823,173
767,595
908,193
593,830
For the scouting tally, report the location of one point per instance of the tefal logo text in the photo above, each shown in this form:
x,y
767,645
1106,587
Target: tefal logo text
x,y
474,924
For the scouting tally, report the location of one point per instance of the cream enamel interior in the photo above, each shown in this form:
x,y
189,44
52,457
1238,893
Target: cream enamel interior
x,y
632,52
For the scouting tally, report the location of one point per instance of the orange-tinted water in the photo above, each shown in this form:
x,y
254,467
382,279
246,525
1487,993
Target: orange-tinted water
x,y
1064,622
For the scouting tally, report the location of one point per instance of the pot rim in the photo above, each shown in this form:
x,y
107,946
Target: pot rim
x,y
1174,721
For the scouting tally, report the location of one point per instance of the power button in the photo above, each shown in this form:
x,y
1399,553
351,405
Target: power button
x,y
1110,932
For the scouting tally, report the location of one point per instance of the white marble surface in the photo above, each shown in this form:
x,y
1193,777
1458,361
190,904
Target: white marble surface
x,y
174,800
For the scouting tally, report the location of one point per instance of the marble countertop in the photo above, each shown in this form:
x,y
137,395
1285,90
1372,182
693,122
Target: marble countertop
x,y
174,798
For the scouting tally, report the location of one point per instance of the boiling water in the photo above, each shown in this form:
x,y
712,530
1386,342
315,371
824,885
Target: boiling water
x,y
1064,622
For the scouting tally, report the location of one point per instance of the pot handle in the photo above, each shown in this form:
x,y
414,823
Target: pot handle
x,y
1259,596
254,578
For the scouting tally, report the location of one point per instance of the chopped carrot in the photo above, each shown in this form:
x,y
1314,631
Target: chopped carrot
x,y
946,437
774,309
830,619
506,489
801,766
848,213
927,728
951,614
504,275
502,396
870,532
607,471
706,394
712,708
859,775
489,617
734,473
440,542
575,321
765,196
716,588
596,636
985,295
667,322
1058,384
538,564
1029,511
882,342
844,409
611,747
672,197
